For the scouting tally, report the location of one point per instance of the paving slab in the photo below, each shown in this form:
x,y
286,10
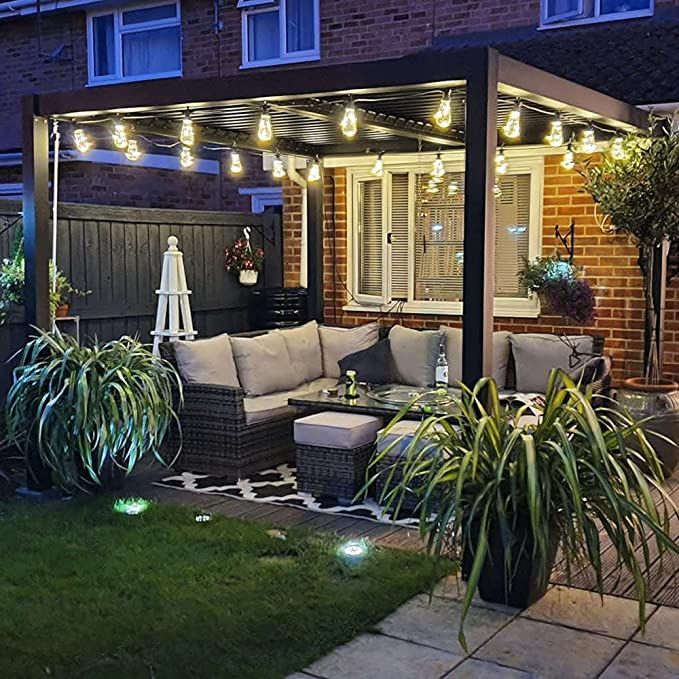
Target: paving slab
x,y
640,661
298,675
583,610
550,651
454,588
381,657
481,669
437,624
662,629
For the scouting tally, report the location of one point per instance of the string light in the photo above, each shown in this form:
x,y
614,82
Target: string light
x,y
235,164
438,169
119,135
82,142
588,142
444,114
512,128
378,166
555,136
278,169
349,122
187,136
618,148
568,162
132,151
264,127
314,173
501,165
186,159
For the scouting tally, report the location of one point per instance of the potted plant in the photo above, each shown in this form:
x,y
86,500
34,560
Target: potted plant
x,y
60,293
88,414
506,489
244,261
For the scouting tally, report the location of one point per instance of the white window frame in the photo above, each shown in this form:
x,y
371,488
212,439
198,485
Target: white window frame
x,y
519,163
583,16
119,30
252,7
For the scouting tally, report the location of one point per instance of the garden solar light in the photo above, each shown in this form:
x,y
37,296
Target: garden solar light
x,y
186,157
235,166
349,122
512,128
119,135
81,140
264,127
187,135
555,136
132,151
131,505
588,144
443,116
203,517
354,552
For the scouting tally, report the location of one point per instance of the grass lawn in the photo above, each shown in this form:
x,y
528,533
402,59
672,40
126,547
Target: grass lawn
x,y
85,592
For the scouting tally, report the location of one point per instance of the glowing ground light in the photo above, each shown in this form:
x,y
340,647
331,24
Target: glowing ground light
x,y
353,552
131,505
203,517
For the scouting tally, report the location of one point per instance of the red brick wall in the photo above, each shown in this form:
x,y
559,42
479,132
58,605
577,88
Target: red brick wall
x,y
609,261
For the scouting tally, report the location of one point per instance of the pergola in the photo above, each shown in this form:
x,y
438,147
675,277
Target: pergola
x,y
305,104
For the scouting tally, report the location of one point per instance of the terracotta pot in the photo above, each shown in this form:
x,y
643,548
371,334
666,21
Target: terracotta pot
x,y
62,310
248,277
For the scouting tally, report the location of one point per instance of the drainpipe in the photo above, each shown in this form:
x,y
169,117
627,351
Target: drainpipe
x,y
297,178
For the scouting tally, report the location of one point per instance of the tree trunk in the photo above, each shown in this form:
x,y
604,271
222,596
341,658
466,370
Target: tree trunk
x,y
654,266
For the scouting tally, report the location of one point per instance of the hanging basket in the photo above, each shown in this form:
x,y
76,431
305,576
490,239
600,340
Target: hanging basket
x,y
248,277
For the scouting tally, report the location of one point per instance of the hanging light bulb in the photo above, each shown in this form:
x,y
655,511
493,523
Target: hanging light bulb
x,y
349,122
187,136
618,148
378,166
444,114
235,164
568,162
501,164
512,128
132,151
82,142
186,157
277,168
119,134
264,127
588,143
438,169
555,136
314,173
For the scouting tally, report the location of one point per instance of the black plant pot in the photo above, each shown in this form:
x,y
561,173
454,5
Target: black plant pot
x,y
38,474
518,586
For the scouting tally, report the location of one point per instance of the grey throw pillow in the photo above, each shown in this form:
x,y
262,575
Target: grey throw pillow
x,y
304,347
207,361
414,354
264,364
535,354
336,343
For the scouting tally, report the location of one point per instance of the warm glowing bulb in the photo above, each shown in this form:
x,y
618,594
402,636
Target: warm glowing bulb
x,y
438,169
349,122
618,149
432,186
512,128
555,136
568,162
186,157
588,143
187,136
264,128
236,166
119,135
81,140
378,166
501,165
314,173
278,169
444,115
132,151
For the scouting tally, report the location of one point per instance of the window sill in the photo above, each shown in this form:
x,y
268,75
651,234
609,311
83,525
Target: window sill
x,y
133,79
280,62
620,16
502,308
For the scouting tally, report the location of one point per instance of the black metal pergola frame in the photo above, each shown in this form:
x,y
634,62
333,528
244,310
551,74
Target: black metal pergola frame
x,y
484,72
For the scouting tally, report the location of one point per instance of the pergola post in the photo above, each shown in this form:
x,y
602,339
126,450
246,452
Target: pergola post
x,y
315,250
36,214
479,219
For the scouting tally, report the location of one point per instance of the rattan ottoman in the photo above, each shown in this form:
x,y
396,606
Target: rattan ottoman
x,y
333,450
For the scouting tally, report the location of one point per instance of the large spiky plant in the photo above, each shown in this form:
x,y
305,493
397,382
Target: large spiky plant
x,y
575,471
86,409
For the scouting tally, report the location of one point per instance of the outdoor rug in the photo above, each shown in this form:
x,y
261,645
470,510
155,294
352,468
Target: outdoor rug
x,y
278,486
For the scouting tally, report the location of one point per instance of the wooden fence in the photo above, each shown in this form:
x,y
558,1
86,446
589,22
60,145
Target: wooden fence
x,y
116,252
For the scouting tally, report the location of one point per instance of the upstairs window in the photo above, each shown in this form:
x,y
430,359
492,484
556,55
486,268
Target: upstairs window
x,y
135,43
557,12
279,32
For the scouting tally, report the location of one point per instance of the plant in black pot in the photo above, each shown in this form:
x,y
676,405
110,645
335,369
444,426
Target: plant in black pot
x,y
88,414
507,488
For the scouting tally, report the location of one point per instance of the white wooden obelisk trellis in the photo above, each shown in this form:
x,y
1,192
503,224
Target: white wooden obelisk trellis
x,y
173,300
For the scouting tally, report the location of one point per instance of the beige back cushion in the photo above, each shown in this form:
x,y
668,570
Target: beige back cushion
x,y
207,361
414,354
336,343
264,364
304,347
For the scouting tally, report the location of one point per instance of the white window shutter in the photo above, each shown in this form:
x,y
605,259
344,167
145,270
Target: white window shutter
x,y
399,221
370,250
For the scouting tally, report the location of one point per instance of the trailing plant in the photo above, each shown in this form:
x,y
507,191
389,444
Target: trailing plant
x,y
61,290
241,256
86,409
565,476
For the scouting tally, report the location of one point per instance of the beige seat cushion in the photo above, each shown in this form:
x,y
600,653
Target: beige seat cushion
x,y
304,348
264,364
336,343
275,406
414,354
207,361
337,430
